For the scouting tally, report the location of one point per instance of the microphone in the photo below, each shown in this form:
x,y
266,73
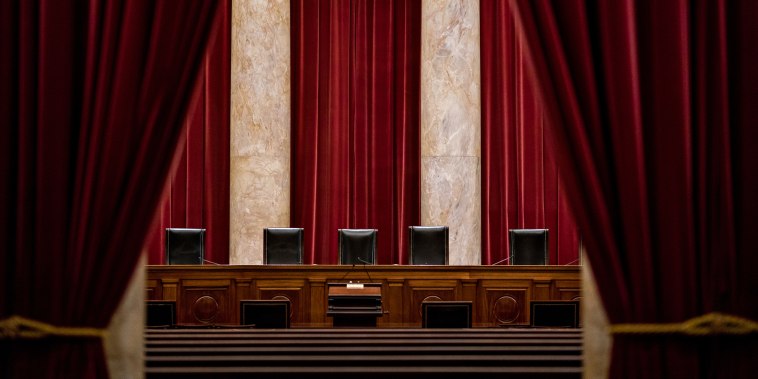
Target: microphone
x,y
364,268
348,272
501,261
572,262
211,262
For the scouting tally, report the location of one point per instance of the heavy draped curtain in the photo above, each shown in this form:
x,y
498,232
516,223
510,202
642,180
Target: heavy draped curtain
x,y
92,99
653,104
521,187
198,196
355,123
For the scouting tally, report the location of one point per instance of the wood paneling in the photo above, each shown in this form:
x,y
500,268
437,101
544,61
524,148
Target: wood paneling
x,y
294,290
154,291
206,301
505,302
500,294
567,290
427,290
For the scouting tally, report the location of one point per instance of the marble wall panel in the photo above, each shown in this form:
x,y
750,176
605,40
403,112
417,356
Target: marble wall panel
x,y
260,125
260,198
450,79
450,195
451,124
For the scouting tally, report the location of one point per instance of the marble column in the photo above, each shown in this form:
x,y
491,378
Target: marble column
x,y
451,123
260,125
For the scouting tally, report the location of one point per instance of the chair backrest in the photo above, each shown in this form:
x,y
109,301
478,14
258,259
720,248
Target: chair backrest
x,y
357,246
529,247
283,246
446,314
428,245
160,313
554,314
267,314
185,246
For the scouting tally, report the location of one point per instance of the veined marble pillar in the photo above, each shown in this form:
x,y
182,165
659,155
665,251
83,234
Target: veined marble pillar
x,y
451,123
260,125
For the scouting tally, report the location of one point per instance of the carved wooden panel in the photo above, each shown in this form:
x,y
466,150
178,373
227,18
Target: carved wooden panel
x,y
505,306
206,302
292,290
504,302
428,290
567,290
295,297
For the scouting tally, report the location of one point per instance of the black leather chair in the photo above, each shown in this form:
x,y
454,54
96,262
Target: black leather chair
x,y
357,246
428,245
185,246
529,247
283,246
446,314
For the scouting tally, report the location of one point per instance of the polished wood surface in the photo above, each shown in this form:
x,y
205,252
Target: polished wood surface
x,y
355,291
500,294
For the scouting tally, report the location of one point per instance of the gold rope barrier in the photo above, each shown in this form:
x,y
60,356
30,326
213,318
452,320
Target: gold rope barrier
x,y
710,324
17,327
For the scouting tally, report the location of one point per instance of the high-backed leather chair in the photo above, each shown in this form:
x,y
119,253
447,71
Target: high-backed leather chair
x,y
529,247
185,246
283,246
428,245
357,246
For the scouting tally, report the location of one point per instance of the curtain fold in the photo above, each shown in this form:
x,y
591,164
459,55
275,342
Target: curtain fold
x,y
198,196
91,102
648,101
521,187
355,132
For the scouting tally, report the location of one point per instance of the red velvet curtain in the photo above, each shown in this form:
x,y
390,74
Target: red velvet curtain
x,y
520,183
92,98
355,123
198,196
654,108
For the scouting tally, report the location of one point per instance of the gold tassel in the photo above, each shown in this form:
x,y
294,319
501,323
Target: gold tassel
x,y
17,327
711,324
